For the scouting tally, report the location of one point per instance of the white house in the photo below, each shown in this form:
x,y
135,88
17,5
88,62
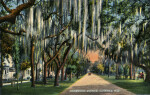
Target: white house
x,y
27,74
9,69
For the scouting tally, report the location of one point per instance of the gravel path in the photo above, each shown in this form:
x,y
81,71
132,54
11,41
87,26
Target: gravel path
x,y
94,85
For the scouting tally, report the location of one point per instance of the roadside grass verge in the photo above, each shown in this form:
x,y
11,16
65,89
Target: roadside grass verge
x,y
39,89
135,86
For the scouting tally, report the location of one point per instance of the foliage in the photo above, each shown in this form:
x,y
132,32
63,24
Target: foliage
x,y
126,70
71,68
113,68
126,30
100,67
16,51
7,44
120,70
25,65
74,63
94,68
16,58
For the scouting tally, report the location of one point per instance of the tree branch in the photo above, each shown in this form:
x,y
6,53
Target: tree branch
x,y
56,63
66,53
53,13
73,54
79,35
139,65
54,59
11,32
15,12
59,60
6,8
44,58
71,57
51,59
61,31
93,39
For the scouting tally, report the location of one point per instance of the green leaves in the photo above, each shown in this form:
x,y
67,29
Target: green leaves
x,y
7,44
16,51
25,65
100,67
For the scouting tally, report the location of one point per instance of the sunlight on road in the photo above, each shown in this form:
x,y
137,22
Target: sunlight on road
x,y
94,85
92,80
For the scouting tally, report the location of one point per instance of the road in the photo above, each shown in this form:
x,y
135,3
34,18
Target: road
x,y
94,85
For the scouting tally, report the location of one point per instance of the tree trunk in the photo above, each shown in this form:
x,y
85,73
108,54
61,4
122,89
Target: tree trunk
x,y
17,82
45,73
131,71
147,78
146,69
62,74
70,76
1,65
77,74
56,82
108,70
134,72
116,71
32,63
62,64
66,74
49,70
17,74
1,77
36,72
22,76
52,70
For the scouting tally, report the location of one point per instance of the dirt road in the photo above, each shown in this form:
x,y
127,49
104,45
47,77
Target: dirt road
x,y
94,85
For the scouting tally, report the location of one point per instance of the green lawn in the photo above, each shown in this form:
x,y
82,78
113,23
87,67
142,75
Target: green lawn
x,y
135,86
40,89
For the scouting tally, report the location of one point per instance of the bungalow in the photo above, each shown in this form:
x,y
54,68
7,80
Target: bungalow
x,y
9,70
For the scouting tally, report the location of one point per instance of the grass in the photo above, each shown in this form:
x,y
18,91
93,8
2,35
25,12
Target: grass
x,y
40,89
135,86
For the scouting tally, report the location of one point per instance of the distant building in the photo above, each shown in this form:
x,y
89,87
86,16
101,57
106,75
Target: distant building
x,y
8,68
27,74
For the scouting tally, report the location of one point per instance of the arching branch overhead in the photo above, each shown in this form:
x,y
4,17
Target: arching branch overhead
x,y
61,31
93,39
12,32
6,8
11,17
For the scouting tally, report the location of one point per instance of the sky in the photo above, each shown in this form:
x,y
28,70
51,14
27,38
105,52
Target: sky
x,y
93,56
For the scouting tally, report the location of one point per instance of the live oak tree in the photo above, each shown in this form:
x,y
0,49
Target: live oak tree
x,y
16,59
10,15
128,19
